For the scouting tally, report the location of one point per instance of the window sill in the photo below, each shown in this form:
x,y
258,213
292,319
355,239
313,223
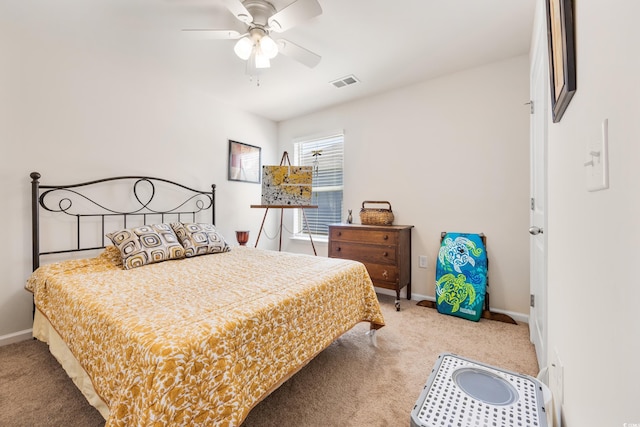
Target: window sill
x,y
305,238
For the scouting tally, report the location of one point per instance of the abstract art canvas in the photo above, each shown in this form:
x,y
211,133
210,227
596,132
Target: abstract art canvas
x,y
286,185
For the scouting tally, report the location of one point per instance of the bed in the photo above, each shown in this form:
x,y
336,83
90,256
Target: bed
x,y
196,340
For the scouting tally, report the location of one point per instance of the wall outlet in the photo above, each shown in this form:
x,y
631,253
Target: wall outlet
x,y
422,261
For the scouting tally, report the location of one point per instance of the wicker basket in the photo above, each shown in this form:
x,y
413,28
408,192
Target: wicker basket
x,y
376,216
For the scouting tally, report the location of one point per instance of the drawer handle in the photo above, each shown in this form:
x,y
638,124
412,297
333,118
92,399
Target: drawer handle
x,y
385,237
339,233
338,249
385,274
385,253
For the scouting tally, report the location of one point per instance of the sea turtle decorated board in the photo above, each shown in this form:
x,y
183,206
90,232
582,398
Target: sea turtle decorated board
x,y
461,275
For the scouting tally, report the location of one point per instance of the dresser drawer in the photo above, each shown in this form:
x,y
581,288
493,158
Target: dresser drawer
x,y
383,272
381,237
377,254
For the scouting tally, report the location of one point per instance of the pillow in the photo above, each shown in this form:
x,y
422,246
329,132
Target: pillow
x,y
147,244
200,239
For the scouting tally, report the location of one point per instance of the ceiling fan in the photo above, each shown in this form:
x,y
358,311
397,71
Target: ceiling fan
x,y
259,20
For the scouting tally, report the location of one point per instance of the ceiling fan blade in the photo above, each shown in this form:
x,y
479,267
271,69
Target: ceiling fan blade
x,y
293,14
299,53
239,11
197,34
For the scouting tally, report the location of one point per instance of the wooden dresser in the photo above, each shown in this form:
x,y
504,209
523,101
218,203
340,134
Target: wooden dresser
x,y
384,249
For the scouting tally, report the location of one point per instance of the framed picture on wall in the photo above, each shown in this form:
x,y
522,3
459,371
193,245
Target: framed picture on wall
x,y
562,55
244,162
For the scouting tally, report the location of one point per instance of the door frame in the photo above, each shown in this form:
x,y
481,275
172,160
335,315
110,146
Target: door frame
x,y
539,92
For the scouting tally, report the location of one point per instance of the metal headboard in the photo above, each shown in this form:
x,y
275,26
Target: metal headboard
x,y
60,199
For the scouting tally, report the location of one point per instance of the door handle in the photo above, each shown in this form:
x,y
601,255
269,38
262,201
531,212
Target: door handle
x,y
534,231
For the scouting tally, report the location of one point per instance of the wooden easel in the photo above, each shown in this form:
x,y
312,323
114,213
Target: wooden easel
x,y
285,157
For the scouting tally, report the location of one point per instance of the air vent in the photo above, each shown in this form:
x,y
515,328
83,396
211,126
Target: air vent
x,y
345,81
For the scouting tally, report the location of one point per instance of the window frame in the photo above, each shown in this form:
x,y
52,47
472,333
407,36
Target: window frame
x,y
299,231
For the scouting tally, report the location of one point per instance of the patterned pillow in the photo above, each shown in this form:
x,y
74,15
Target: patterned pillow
x,y
146,245
200,239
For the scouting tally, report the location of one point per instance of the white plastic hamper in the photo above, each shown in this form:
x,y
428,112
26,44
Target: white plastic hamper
x,y
464,393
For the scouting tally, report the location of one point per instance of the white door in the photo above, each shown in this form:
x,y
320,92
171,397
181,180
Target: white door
x,y
538,241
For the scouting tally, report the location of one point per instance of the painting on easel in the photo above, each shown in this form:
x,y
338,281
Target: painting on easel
x,y
286,185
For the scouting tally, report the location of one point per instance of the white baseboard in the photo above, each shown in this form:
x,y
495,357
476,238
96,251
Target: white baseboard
x,y
518,317
16,337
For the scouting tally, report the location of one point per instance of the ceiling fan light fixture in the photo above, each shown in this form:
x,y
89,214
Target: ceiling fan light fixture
x,y
260,60
260,18
268,47
244,47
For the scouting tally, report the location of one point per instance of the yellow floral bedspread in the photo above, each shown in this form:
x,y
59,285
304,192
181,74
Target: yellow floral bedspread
x,y
200,341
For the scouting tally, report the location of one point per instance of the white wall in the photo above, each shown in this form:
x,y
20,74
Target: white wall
x,y
81,111
450,154
594,291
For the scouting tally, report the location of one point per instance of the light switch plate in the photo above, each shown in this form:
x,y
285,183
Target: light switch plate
x,y
597,160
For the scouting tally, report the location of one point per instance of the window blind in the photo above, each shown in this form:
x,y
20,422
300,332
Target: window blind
x,y
326,156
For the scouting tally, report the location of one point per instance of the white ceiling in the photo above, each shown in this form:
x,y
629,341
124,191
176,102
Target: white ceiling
x,y
385,44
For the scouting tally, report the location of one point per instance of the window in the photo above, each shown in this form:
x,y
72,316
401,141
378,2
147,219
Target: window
x,y
325,154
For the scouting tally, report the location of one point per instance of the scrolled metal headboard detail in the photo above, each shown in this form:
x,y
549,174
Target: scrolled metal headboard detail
x,y
75,200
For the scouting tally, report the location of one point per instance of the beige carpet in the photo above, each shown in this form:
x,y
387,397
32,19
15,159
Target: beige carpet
x,y
349,384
